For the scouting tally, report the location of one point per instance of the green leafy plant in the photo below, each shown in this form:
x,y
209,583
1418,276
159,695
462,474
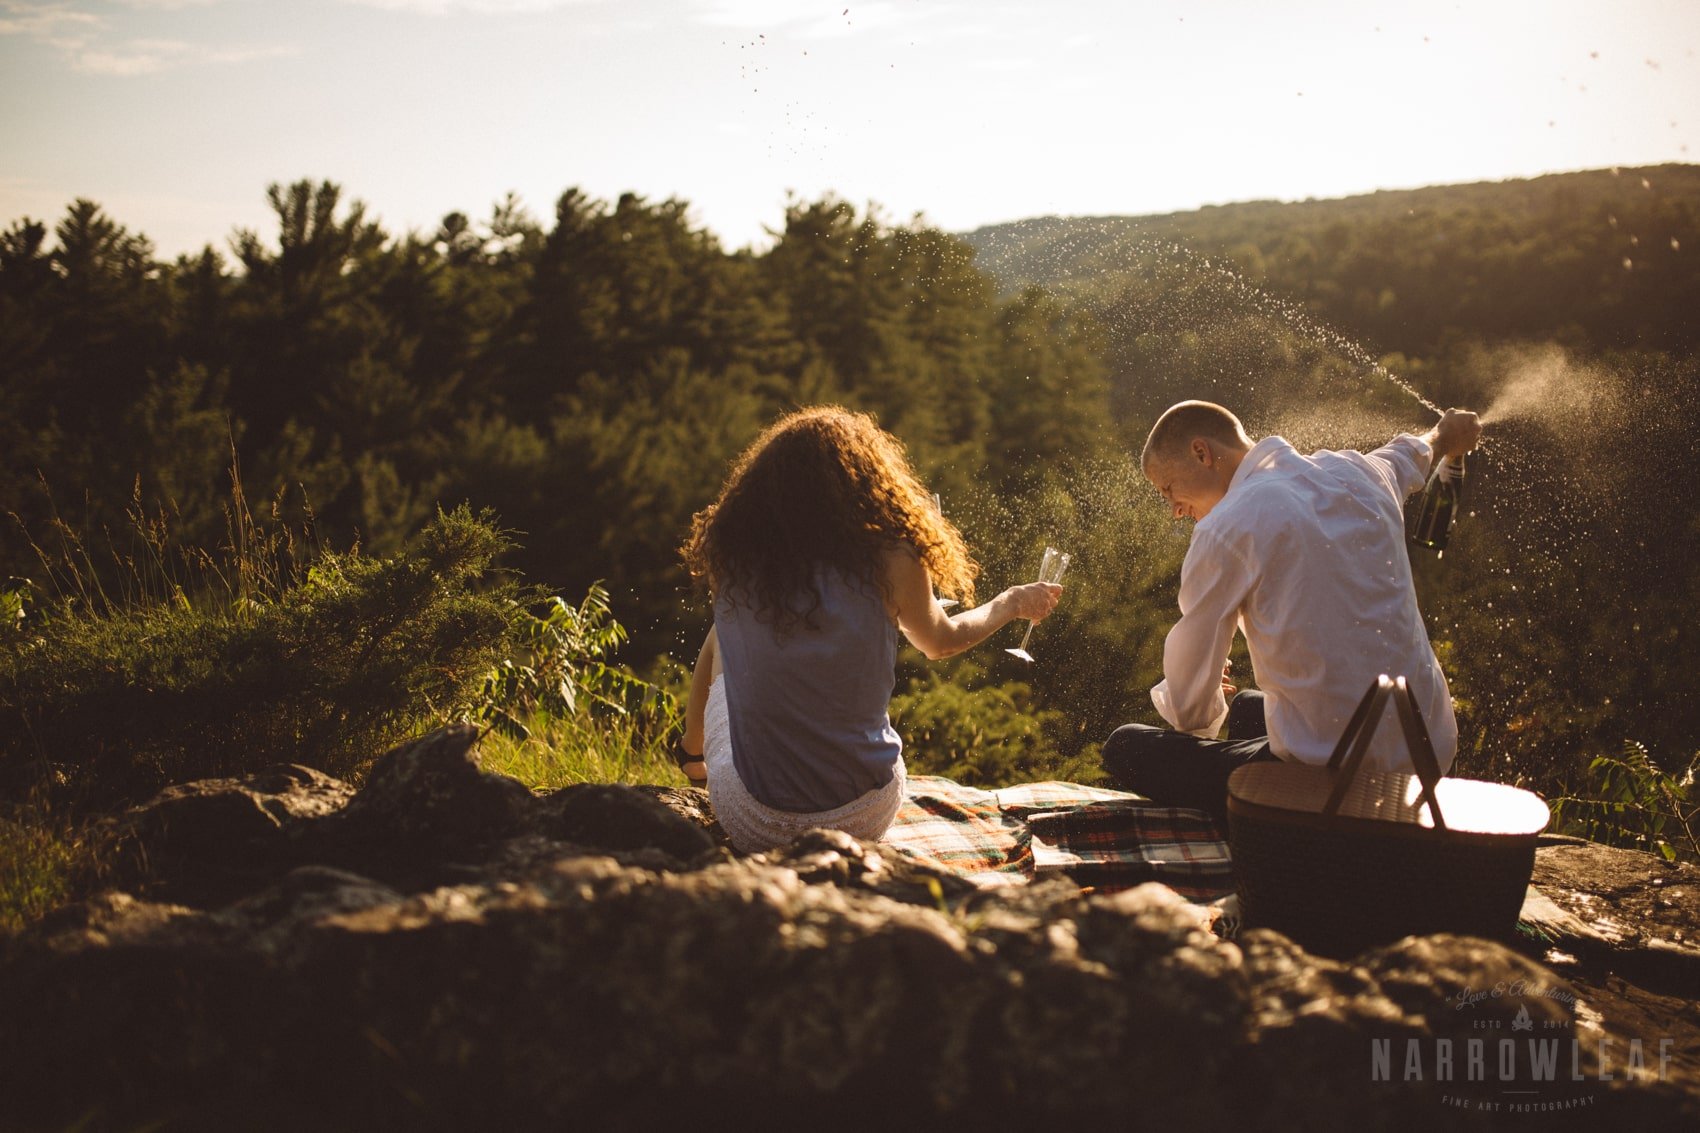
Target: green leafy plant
x,y
561,712
558,665
1633,802
15,599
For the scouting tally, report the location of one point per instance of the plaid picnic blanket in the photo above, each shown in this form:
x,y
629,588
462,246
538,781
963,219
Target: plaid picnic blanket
x,y
1100,839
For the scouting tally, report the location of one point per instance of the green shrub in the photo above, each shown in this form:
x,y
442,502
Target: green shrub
x,y
990,736
329,667
1633,802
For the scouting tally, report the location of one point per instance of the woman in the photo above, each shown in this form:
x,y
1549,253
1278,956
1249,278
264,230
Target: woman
x,y
822,545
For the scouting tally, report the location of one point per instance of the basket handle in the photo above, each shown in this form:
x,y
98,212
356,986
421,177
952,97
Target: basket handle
x,y
1348,753
1421,747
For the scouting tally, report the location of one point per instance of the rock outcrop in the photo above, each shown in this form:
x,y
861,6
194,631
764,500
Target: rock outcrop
x,y
1632,913
442,949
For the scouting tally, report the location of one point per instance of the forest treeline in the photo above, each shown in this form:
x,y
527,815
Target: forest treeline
x,y
588,376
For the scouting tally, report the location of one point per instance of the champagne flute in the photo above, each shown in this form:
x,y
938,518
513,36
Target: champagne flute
x,y
1050,570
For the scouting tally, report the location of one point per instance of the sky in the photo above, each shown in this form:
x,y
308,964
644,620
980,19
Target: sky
x,y
175,115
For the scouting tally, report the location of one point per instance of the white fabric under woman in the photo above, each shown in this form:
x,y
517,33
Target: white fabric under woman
x,y
752,824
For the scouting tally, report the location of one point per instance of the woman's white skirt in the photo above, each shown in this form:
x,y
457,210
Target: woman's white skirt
x,y
752,824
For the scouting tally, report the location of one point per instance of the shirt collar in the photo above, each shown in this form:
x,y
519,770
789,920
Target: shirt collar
x,y
1260,456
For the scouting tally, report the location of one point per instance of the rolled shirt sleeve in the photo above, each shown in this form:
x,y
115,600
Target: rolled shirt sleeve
x,y
1214,582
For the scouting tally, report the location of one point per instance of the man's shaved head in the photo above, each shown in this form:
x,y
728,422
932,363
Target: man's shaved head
x,y
1179,424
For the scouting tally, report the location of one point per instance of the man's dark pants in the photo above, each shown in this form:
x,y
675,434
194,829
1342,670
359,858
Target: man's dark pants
x,y
1178,769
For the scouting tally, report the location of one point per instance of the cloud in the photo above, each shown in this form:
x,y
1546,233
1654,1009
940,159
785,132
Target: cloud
x,y
45,21
229,54
812,21
168,5
121,63
1006,63
85,40
153,56
751,13
472,7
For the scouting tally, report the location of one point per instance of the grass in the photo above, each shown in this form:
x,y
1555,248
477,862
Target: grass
x,y
560,752
42,864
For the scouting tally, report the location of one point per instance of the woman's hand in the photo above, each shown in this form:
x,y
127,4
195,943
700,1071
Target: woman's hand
x,y
1033,601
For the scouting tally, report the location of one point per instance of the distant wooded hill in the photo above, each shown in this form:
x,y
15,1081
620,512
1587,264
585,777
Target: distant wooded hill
x,y
1603,259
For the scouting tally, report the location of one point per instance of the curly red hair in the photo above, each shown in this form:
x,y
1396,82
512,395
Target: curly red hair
x,y
821,486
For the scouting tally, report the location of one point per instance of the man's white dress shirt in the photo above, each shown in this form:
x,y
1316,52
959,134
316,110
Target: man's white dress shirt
x,y
1306,556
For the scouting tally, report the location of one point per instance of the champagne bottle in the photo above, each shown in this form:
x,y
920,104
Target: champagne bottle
x,y
1440,504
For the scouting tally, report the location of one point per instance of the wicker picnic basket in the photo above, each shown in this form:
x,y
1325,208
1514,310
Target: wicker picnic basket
x,y
1340,858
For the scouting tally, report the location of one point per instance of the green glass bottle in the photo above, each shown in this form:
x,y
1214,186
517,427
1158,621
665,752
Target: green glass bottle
x,y
1440,503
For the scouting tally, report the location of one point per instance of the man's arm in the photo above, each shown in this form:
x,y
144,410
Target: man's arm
x,y
1214,584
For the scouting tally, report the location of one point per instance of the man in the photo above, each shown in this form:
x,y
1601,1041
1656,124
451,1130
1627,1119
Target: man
x,y
1305,555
